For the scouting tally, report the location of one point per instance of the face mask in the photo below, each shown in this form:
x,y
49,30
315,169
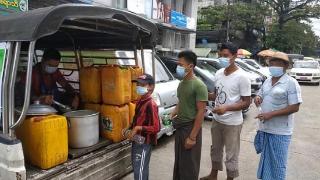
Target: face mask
x,y
225,62
142,90
276,71
50,69
181,71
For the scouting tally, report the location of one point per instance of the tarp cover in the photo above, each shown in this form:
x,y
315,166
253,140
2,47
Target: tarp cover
x,y
114,25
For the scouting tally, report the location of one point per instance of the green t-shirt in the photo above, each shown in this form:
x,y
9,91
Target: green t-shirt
x,y
189,93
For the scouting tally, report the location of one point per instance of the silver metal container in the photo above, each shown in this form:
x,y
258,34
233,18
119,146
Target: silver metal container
x,y
83,128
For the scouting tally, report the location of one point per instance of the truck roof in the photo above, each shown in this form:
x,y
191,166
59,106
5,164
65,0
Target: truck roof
x,y
38,23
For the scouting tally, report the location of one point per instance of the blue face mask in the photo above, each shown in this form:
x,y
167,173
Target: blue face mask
x,y
50,69
141,90
276,71
181,71
225,62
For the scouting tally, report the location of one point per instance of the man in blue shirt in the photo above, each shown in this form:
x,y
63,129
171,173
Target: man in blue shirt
x,y
279,98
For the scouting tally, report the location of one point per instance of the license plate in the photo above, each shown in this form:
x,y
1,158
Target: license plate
x,y
304,78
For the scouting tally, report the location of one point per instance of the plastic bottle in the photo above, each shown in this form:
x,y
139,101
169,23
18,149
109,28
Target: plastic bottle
x,y
136,138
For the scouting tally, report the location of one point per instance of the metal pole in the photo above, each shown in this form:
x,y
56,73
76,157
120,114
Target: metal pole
x,y
136,56
14,70
5,90
142,58
153,63
228,21
28,86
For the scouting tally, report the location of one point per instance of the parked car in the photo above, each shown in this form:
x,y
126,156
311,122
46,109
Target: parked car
x,y
306,71
213,62
263,70
308,59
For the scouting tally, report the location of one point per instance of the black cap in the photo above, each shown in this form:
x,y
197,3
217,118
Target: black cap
x,y
145,79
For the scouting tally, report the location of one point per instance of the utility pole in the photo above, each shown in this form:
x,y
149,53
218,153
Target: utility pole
x,y
228,20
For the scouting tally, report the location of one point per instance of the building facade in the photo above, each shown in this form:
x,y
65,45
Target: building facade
x,y
177,19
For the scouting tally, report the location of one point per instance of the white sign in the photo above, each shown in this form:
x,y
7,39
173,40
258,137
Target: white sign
x,y
191,23
136,6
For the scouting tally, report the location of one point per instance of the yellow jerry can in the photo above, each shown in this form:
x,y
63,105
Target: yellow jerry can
x,y
116,85
114,120
44,140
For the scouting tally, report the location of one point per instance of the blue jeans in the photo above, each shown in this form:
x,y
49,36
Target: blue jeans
x,y
140,157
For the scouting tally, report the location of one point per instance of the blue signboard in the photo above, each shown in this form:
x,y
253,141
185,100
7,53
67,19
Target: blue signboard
x,y
178,19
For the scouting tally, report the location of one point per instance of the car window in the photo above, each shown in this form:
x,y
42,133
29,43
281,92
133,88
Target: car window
x,y
306,64
215,64
207,67
162,75
243,67
253,64
172,66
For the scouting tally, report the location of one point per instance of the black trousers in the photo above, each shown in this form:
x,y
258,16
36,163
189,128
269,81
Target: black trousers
x,y
187,162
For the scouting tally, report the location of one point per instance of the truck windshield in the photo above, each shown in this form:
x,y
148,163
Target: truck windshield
x,y
306,64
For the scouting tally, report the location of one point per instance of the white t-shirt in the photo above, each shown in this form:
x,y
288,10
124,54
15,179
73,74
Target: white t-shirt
x,y
229,90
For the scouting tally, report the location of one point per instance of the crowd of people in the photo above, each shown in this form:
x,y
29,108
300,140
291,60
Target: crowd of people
x,y
278,99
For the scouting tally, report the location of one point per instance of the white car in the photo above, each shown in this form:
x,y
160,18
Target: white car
x,y
306,71
264,70
308,59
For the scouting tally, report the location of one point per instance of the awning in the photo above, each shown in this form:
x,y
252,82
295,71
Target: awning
x,y
174,28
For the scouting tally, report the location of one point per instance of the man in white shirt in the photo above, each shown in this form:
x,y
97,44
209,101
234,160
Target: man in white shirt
x,y
232,95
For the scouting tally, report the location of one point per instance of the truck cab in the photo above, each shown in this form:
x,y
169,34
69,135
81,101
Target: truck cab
x,y
75,30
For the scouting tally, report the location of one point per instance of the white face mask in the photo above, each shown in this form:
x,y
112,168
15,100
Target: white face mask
x,y
225,62
181,71
276,71
141,90
50,69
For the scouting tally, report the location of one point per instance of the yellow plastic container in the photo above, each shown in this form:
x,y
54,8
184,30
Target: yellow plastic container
x,y
114,120
90,85
44,140
116,85
132,111
93,107
134,95
135,73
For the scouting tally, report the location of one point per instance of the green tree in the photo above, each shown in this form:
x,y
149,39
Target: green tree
x,y
246,21
287,10
293,37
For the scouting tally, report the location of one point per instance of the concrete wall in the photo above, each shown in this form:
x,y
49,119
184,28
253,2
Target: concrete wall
x,y
192,11
174,40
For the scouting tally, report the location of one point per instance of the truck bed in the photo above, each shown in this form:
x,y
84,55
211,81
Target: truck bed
x,y
111,161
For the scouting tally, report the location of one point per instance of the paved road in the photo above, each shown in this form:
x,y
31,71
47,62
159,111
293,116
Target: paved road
x,y
304,156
